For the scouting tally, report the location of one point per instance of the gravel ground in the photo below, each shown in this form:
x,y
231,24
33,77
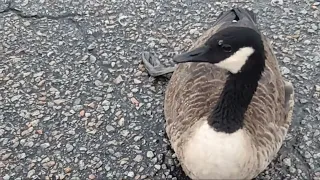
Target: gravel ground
x,y
76,102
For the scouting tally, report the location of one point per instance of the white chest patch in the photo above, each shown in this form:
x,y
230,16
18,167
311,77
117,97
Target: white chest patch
x,y
235,62
216,155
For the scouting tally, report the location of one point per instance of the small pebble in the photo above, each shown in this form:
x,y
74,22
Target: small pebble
x,y
69,147
150,154
121,122
67,170
285,70
138,158
287,161
124,133
22,155
98,83
131,174
91,176
45,145
92,46
163,41
31,173
93,59
157,166
118,80
15,98
110,128
307,42
6,177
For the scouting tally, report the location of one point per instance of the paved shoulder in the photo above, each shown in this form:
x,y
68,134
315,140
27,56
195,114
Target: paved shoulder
x,y
76,102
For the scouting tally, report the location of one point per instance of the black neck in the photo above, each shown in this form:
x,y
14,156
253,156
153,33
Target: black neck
x,y
234,100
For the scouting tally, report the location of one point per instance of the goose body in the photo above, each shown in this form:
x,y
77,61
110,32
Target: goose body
x,y
227,113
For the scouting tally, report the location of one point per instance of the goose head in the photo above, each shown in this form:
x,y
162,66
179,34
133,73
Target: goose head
x,y
236,49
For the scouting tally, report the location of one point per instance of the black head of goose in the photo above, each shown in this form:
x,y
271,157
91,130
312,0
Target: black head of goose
x,y
240,51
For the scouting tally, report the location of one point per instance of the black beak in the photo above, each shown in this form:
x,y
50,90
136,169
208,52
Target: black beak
x,y
199,54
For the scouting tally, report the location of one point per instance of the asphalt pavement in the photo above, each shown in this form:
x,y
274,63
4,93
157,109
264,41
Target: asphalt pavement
x,y
76,102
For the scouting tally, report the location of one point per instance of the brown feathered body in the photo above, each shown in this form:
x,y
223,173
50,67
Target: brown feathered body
x,y
192,93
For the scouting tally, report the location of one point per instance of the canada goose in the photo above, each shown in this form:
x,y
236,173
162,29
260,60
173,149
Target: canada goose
x,y
227,106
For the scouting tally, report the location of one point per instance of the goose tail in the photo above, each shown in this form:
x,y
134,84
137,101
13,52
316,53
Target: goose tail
x,y
237,17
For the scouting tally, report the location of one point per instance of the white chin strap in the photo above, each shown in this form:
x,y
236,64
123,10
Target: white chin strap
x,y
235,62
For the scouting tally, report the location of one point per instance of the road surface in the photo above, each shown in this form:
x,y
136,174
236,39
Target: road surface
x,y
76,102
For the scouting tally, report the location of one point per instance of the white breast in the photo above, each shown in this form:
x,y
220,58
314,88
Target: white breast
x,y
216,155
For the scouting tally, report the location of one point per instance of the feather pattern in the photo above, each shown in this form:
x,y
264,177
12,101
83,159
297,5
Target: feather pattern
x,y
193,90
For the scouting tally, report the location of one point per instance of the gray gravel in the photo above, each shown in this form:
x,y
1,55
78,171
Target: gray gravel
x,y
76,102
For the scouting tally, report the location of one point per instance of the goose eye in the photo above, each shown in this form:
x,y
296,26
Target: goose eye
x,y
227,48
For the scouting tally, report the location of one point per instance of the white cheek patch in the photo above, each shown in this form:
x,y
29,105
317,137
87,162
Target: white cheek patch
x,y
235,62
